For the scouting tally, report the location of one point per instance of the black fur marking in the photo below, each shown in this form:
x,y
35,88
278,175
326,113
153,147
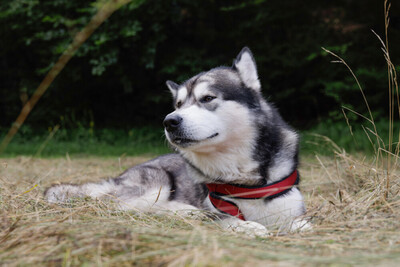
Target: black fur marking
x,y
118,180
241,95
222,84
268,142
191,84
171,178
232,90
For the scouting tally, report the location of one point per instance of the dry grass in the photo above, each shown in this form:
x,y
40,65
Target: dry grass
x,y
354,204
353,222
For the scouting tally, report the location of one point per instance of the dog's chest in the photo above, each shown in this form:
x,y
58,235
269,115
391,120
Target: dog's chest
x,y
272,212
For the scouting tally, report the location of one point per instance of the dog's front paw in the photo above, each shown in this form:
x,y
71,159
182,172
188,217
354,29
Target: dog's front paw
x,y
60,193
250,228
253,229
301,225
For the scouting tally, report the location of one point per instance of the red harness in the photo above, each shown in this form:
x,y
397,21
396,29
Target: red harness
x,y
268,191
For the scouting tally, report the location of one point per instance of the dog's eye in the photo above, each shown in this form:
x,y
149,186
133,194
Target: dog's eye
x,y
178,104
207,98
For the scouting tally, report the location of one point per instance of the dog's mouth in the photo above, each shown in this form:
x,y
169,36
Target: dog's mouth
x,y
180,141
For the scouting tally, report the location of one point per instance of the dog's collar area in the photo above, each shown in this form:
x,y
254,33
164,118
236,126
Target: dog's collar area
x,y
267,191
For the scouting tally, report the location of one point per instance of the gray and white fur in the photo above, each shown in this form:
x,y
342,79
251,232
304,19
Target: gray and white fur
x,y
224,131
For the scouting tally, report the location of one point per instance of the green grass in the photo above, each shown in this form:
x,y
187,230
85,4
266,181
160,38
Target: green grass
x,y
151,140
87,141
354,140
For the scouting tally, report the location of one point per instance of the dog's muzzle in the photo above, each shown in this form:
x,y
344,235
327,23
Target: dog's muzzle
x,y
172,122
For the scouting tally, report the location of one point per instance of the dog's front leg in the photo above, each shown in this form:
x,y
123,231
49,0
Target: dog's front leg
x,y
250,228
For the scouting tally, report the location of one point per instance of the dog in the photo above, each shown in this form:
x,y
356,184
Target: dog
x,y
235,158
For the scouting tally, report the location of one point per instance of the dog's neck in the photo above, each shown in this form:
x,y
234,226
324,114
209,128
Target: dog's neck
x,y
243,164
233,166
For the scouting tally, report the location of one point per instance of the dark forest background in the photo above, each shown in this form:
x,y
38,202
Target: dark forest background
x,y
117,79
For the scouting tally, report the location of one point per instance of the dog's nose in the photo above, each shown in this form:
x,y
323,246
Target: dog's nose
x,y
172,122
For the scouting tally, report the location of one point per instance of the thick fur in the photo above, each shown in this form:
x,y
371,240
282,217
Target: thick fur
x,y
224,131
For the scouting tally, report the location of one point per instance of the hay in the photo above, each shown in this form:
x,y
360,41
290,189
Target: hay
x,y
353,222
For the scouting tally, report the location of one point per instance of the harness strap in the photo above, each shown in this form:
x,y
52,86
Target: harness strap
x,y
268,191
225,206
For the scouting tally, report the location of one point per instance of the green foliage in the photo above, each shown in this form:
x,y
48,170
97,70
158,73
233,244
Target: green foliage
x,y
118,75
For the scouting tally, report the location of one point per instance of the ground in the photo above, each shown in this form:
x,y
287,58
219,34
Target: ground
x,y
354,222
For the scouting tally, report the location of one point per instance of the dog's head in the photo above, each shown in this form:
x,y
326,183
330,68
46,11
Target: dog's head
x,y
213,110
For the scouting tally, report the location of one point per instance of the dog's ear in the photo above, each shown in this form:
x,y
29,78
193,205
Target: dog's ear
x,y
173,87
247,69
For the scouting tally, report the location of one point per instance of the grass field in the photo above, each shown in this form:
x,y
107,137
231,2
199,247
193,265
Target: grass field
x,y
353,223
85,141
88,141
353,200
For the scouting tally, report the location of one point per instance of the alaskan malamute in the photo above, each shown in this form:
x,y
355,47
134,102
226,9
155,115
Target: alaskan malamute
x,y
236,158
